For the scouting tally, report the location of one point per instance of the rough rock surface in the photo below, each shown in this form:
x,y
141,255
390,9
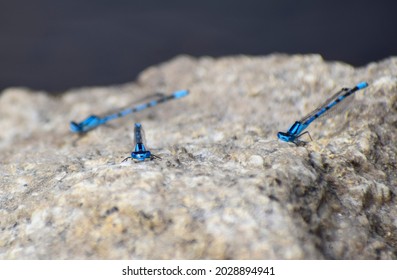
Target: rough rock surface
x,y
225,188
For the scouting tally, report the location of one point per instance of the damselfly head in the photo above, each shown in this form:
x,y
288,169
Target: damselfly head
x,y
86,125
285,136
75,127
141,155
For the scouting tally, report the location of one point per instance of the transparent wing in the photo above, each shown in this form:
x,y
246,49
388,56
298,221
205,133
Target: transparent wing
x,y
325,107
333,101
133,104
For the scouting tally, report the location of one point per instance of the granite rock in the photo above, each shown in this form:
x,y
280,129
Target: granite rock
x,y
226,187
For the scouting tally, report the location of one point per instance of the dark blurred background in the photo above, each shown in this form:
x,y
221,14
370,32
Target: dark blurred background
x,y
59,44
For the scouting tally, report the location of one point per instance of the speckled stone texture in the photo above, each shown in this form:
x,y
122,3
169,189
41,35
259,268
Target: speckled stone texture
x,y
226,187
